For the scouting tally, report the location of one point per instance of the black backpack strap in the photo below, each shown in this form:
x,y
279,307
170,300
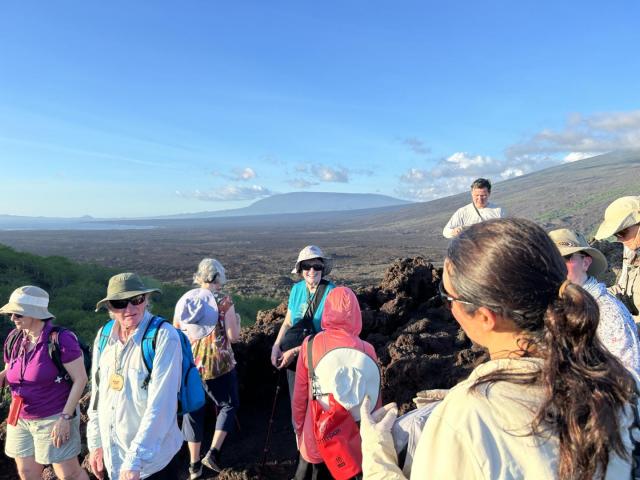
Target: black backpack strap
x,y
477,211
11,342
54,350
314,303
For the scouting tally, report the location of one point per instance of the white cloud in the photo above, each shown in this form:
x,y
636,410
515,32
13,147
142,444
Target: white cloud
x,y
229,193
592,135
330,174
246,173
414,175
237,174
575,156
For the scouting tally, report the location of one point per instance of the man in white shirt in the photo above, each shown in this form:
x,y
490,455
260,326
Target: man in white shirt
x,y
133,431
477,211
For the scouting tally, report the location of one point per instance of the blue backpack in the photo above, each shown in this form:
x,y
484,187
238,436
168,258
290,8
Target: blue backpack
x,y
191,395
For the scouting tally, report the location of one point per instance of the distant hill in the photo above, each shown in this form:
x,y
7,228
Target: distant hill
x,y
302,202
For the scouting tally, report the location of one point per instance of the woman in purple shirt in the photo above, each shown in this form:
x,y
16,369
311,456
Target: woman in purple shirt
x,y
43,426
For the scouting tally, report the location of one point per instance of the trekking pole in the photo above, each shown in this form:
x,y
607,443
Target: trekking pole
x,y
270,425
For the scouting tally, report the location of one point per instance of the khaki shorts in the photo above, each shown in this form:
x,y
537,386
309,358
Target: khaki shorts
x,y
32,438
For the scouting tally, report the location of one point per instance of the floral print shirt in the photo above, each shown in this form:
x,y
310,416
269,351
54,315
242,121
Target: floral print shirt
x,y
213,354
616,330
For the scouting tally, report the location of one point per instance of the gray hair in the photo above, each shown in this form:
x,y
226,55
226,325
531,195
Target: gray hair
x,y
210,270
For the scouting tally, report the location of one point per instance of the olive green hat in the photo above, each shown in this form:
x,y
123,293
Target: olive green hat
x,y
570,242
622,213
122,286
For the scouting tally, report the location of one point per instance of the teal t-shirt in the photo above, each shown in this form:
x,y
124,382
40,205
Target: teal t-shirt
x,y
299,298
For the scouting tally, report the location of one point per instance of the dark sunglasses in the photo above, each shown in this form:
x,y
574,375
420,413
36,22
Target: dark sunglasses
x,y
16,315
568,258
318,267
122,304
448,299
622,233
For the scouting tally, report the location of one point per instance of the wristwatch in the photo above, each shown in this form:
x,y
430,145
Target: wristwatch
x,y
66,416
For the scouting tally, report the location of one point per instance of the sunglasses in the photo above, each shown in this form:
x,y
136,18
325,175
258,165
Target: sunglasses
x,y
567,258
448,299
14,315
122,304
622,233
318,267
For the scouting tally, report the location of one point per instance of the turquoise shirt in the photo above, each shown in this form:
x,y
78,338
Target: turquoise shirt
x,y
299,299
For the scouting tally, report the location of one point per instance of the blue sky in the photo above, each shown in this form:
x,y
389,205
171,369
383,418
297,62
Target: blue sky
x,y
143,108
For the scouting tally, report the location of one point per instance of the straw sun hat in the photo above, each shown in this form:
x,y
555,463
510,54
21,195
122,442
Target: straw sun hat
x,y
28,301
570,242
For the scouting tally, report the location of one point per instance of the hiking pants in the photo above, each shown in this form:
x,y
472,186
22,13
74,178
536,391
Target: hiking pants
x,y
223,391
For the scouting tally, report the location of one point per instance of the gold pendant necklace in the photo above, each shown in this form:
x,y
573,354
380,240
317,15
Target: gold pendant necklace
x,y
116,380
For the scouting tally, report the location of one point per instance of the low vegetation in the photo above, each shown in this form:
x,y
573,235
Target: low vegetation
x,y
75,288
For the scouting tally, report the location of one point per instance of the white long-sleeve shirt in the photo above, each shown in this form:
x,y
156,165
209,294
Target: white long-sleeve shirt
x,y
137,428
467,215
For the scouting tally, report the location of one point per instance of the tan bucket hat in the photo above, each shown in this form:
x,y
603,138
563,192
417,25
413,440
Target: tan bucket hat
x,y
124,285
309,253
28,301
622,213
569,242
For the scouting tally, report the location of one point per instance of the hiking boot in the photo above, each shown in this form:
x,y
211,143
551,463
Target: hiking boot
x,y
212,460
195,470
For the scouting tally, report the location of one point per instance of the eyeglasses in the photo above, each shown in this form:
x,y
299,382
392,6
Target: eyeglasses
x,y
122,304
15,315
318,267
568,258
448,299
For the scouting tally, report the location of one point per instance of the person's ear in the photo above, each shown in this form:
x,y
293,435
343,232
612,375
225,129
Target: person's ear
x,y
485,318
587,262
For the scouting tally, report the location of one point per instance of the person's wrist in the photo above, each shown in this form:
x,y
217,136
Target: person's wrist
x,y
66,416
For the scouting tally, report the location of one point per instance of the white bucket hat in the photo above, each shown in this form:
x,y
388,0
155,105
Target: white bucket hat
x,y
196,313
569,242
309,253
28,301
622,213
350,375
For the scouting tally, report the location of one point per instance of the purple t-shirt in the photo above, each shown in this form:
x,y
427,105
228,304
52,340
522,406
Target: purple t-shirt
x,y
44,391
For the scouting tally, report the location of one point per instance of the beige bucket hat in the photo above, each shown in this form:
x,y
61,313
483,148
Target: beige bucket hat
x,y
309,253
569,242
622,213
28,301
124,285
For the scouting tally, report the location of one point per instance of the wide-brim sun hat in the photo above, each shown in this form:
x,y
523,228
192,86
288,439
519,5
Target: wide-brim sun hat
x,y
28,301
196,313
622,213
570,242
350,375
309,253
124,285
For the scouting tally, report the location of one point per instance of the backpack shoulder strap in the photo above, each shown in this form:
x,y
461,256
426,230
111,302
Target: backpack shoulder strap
x,y
11,342
53,347
310,366
149,345
105,333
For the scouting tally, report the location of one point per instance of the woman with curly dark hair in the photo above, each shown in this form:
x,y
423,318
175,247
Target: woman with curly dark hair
x,y
551,402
